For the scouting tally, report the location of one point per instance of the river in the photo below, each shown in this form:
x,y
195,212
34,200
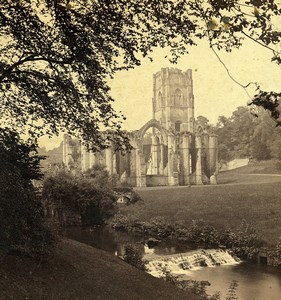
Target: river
x,y
255,282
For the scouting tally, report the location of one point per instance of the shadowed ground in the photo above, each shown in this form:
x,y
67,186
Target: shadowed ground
x,y
79,271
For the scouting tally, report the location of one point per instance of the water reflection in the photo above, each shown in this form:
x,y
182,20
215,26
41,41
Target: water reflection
x,y
114,242
255,282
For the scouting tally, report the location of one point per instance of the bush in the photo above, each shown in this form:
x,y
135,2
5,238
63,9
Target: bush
x,y
23,228
100,178
78,195
243,242
133,256
95,205
60,192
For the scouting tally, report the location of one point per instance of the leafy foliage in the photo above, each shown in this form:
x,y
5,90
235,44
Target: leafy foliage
x,y
133,256
270,101
235,134
61,83
23,227
83,196
244,242
95,205
242,136
101,178
19,155
59,190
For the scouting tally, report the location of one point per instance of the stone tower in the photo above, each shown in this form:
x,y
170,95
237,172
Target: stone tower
x,y
176,152
173,100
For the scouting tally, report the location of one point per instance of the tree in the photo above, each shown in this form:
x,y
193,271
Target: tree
x,y
60,192
95,205
23,228
235,135
242,136
275,149
20,156
57,55
101,178
262,139
203,122
82,196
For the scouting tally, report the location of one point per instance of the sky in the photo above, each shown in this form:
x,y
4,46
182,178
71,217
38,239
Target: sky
x,y
215,94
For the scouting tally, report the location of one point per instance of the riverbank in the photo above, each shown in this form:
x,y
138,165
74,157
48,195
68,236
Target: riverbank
x,y
253,279
79,271
242,213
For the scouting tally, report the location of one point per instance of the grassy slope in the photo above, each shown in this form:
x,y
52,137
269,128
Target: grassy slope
x,y
255,198
79,271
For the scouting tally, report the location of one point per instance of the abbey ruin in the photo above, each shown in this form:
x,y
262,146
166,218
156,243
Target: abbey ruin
x,y
170,149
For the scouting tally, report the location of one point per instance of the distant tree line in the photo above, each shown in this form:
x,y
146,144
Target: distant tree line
x,y
244,136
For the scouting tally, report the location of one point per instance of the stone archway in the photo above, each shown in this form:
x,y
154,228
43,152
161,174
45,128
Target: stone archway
x,y
156,124
156,155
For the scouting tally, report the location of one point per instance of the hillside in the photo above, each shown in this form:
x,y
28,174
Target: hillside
x,y
79,271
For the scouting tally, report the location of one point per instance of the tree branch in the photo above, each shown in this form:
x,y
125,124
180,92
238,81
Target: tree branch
x,y
32,58
218,57
229,74
260,43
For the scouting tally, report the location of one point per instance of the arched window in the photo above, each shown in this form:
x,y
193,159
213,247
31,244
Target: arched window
x,y
159,100
200,129
178,126
178,98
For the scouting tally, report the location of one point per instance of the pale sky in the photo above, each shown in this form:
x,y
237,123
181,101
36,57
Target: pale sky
x,y
215,93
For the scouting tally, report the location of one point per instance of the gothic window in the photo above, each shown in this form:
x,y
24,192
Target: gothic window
x,y
160,101
200,129
178,126
178,98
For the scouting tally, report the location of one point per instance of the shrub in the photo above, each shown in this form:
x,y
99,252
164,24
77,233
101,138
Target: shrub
x,y
94,205
23,228
133,256
121,222
100,178
60,191
244,242
78,195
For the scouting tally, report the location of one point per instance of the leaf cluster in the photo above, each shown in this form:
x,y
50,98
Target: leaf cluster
x,y
56,56
23,228
19,156
88,197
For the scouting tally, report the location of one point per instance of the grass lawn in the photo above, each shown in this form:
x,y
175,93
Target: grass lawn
x,y
79,271
255,198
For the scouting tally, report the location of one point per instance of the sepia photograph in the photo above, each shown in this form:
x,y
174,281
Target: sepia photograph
x,y
140,149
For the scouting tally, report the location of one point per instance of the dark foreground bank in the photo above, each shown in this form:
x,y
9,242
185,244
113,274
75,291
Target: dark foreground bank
x,y
79,271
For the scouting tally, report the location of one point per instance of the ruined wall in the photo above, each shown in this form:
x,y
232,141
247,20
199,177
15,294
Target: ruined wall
x,y
175,153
